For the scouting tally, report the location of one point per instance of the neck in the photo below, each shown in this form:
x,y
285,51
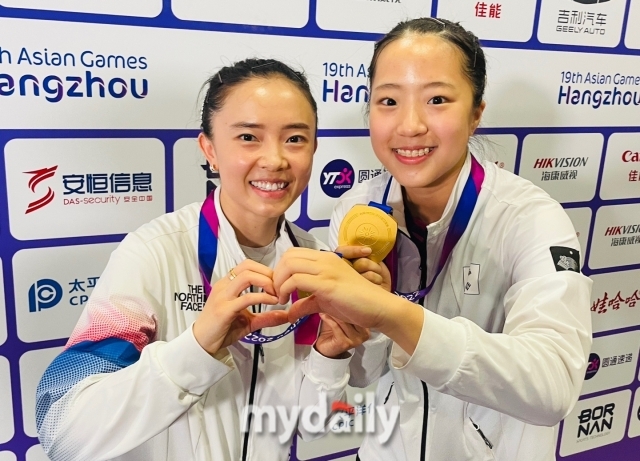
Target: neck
x,y
428,203
251,230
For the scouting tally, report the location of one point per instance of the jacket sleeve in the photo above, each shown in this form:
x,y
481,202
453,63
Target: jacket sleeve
x,y
115,385
324,382
535,368
370,359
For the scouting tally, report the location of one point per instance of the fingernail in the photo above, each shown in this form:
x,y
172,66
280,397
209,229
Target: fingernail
x,y
365,250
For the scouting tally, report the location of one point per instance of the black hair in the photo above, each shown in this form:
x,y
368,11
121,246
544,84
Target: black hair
x,y
221,83
474,63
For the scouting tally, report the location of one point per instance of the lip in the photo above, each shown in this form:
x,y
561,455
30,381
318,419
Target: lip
x,y
270,194
413,160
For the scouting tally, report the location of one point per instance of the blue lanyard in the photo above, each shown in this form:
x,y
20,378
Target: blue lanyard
x,y
208,234
457,227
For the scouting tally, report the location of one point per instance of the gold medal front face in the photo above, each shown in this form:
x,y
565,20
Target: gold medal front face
x,y
369,226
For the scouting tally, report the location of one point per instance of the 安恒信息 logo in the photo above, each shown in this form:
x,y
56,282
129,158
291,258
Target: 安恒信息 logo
x,y
37,177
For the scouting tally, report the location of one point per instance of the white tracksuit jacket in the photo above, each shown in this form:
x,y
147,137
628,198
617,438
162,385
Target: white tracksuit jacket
x,y
133,383
508,355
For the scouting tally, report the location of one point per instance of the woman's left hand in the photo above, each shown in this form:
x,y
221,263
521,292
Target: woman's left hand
x,y
337,289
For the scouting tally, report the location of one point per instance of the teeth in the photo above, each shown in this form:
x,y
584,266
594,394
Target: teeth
x,y
269,186
413,153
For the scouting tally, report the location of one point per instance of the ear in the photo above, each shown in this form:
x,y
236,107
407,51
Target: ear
x,y
315,144
476,116
209,151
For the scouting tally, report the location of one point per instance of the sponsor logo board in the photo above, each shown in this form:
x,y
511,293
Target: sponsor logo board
x,y
51,296
254,12
612,362
564,165
634,419
573,22
615,300
6,422
75,187
632,38
595,423
509,20
616,236
144,8
621,175
368,15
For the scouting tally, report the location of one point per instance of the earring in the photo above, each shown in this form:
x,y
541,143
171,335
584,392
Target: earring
x,y
213,168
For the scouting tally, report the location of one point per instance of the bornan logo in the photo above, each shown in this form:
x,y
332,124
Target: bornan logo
x,y
337,178
595,421
37,177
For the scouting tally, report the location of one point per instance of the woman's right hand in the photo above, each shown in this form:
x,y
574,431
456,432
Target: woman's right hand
x,y
225,317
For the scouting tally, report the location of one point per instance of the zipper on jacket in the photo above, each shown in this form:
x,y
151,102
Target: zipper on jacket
x,y
257,352
425,420
479,431
389,394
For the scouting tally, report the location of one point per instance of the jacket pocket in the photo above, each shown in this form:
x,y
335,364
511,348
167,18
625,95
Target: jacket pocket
x,y
479,442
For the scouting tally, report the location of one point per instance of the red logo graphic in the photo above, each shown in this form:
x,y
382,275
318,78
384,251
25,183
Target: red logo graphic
x,y
39,176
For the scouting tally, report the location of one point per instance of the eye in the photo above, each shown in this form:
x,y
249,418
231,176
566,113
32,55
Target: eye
x,y
388,102
437,100
247,137
296,139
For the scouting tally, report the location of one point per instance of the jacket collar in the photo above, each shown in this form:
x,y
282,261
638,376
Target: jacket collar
x,y
227,236
395,200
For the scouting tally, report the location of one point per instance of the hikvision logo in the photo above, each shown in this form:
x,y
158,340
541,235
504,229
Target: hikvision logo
x,y
54,87
628,156
39,176
562,162
622,230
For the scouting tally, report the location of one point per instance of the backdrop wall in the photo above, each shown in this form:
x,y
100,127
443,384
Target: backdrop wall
x,y
99,107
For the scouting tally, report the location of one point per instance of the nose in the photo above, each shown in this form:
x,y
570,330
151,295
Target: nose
x,y
272,156
413,120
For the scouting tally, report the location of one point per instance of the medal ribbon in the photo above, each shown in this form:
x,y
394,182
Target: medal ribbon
x,y
459,222
208,233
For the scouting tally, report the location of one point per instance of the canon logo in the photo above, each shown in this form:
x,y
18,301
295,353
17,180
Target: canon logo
x,y
628,156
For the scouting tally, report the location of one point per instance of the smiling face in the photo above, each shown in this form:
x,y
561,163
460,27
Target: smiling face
x,y
263,143
421,113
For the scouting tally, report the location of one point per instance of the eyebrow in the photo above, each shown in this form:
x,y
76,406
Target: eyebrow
x,y
259,126
395,86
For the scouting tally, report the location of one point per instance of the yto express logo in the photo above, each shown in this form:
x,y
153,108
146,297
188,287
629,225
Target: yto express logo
x,y
593,366
337,178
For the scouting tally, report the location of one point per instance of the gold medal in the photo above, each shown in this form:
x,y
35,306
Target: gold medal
x,y
369,226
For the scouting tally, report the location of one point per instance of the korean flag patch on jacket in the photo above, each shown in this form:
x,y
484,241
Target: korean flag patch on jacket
x,y
565,259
